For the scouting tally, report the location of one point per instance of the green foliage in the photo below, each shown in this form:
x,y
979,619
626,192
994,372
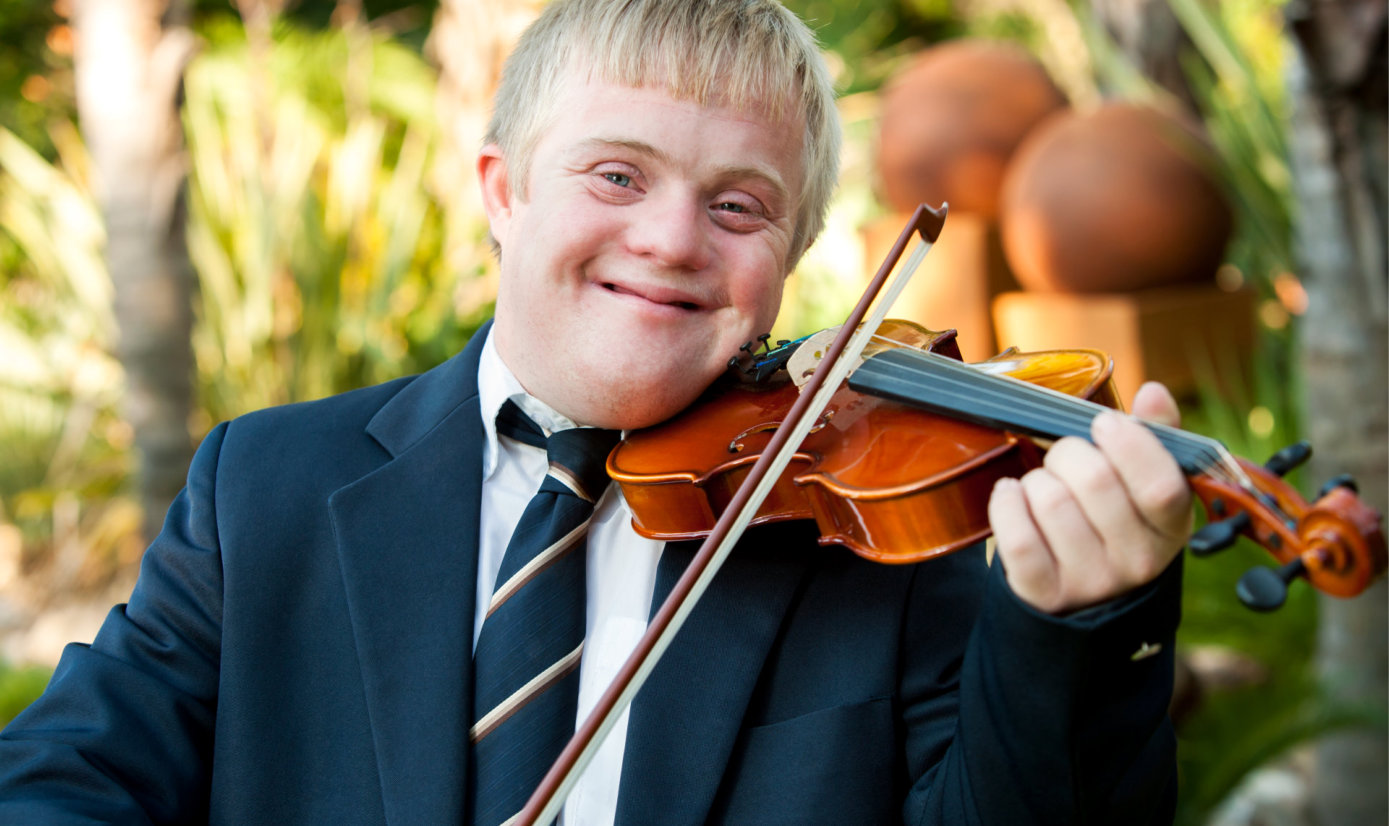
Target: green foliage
x,y
408,19
866,39
332,247
35,82
1234,734
331,253
18,688
1245,115
59,385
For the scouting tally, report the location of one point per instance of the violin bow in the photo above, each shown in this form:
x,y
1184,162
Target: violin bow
x,y
547,799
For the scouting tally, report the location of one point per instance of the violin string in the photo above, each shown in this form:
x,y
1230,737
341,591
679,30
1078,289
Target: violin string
x,y
1079,412
1209,455
1191,450
1003,400
1194,452
956,388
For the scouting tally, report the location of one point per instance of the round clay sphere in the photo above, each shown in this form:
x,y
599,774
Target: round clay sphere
x,y
1121,198
952,118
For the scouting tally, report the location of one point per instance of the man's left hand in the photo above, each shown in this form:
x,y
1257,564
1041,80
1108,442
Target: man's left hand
x,y
1096,520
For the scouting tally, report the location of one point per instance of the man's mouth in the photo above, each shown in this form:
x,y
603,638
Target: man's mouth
x,y
656,295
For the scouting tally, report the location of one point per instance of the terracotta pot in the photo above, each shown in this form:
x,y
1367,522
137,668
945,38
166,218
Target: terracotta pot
x,y
951,120
1122,198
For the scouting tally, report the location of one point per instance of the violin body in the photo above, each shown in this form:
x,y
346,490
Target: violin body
x,y
893,483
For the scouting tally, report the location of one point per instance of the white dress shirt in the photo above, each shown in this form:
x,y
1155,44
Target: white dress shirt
x,y
621,572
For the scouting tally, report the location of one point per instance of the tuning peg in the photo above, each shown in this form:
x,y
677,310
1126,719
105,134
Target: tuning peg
x,y
1265,589
1345,480
1288,458
1217,536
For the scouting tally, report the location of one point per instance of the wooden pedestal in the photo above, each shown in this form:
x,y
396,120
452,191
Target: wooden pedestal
x,y
1180,336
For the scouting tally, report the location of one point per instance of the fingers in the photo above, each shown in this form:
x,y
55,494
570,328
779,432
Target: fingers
x,y
1064,531
1153,402
1167,503
1133,496
1027,559
1097,519
1148,474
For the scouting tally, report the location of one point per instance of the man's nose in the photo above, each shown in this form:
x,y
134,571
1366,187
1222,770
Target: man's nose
x,y
673,229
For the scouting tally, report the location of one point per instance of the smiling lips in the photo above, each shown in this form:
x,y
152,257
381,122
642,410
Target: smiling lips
x,y
656,295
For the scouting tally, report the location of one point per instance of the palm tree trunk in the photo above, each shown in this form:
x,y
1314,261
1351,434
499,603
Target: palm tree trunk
x,y
129,67
1336,81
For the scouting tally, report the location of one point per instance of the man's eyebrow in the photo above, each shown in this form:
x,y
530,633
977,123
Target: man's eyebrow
x,y
642,147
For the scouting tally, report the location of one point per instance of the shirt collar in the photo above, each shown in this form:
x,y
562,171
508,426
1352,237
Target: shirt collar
x,y
495,384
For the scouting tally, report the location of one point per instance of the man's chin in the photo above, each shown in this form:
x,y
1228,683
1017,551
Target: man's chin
x,y
628,401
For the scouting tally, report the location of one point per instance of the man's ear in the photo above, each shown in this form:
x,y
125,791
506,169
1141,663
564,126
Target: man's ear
x,y
495,183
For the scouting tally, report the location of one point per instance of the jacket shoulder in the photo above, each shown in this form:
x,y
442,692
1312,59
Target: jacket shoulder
x,y
316,446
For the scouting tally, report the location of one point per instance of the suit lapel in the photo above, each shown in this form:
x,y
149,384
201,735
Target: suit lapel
x,y
407,538
686,718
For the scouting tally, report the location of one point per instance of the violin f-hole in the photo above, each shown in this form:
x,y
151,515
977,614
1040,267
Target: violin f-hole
x,y
736,444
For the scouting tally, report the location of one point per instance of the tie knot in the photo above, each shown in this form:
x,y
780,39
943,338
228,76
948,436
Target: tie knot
x,y
580,454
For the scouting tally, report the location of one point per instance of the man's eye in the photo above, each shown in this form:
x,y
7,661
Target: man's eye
x,y
729,206
618,178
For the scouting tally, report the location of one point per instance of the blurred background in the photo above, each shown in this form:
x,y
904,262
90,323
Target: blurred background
x,y
207,208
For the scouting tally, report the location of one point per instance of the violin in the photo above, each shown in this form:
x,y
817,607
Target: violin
x,y
900,464
897,461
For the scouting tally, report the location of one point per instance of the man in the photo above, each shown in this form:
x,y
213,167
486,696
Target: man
x,y
297,648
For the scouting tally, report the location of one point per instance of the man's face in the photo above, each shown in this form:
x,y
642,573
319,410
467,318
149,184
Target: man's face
x,y
651,242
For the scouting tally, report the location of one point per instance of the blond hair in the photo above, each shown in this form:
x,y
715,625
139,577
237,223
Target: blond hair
x,y
752,55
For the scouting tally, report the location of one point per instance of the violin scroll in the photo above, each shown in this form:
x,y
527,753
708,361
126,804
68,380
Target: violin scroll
x,y
1336,542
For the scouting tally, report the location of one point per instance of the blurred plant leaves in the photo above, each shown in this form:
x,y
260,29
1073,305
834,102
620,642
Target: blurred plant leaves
x,y
62,444
331,252
19,686
330,255
1235,733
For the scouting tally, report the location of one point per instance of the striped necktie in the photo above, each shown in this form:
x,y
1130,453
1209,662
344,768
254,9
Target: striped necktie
x,y
526,661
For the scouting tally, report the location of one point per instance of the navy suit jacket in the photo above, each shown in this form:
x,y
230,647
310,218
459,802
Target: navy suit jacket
x,y
297,651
